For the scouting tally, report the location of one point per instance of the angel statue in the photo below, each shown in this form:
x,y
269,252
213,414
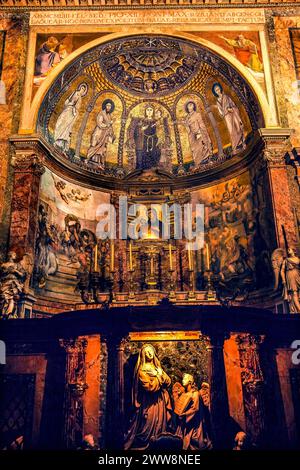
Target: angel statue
x,y
288,270
190,408
13,276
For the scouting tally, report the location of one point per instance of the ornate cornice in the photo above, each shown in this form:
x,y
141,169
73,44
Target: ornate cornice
x,y
36,144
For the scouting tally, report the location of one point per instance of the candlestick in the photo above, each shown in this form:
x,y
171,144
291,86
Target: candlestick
x,y
96,257
112,255
130,257
170,257
207,257
190,257
151,265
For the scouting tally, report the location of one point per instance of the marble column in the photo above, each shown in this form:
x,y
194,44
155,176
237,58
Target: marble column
x,y
75,386
219,408
253,386
115,391
276,147
28,169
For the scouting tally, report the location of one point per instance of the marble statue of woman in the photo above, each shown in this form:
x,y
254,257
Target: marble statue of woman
x,y
229,111
199,139
12,280
102,135
289,270
67,118
190,409
150,399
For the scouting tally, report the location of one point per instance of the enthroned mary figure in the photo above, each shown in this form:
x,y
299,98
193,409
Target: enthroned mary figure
x,y
150,399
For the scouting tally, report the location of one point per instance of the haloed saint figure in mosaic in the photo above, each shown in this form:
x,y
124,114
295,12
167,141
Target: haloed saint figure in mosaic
x,y
103,135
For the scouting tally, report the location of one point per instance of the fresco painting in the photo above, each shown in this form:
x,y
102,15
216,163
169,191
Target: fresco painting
x,y
67,221
244,46
234,232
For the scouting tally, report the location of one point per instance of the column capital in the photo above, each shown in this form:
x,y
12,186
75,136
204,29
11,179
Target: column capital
x,y
215,339
276,145
248,340
28,161
74,345
114,340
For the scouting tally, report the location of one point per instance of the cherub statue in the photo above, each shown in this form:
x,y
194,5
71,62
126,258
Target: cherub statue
x,y
190,410
288,270
240,441
13,276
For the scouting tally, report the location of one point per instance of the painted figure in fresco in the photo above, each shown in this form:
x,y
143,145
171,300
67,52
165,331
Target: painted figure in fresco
x,y
47,57
190,409
46,245
102,135
150,399
232,255
246,52
199,139
231,114
12,280
67,118
288,269
70,240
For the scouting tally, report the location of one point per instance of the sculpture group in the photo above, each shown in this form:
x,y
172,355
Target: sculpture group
x,y
184,415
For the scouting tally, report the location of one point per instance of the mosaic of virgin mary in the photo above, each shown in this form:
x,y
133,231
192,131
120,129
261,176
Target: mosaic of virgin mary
x,y
144,136
151,400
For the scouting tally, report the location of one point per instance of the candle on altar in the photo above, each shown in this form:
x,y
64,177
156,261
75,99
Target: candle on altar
x,y
190,257
151,266
130,257
207,257
170,257
96,257
112,255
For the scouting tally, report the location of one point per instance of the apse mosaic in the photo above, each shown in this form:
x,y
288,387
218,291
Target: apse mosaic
x,y
237,234
67,221
143,103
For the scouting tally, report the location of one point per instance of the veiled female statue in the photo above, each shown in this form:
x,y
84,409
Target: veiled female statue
x,y
288,268
150,399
